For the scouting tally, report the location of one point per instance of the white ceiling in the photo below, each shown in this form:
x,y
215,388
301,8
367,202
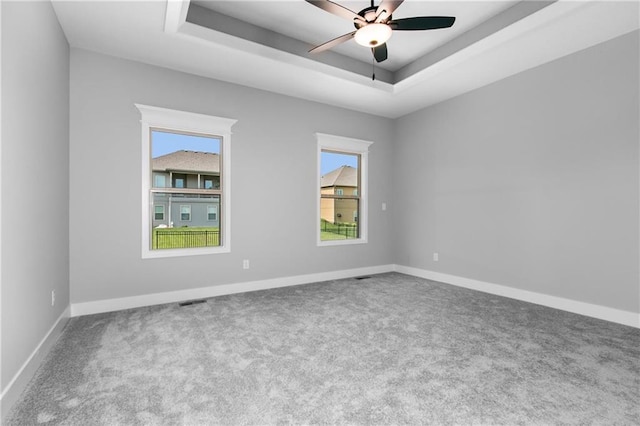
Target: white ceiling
x,y
302,21
264,44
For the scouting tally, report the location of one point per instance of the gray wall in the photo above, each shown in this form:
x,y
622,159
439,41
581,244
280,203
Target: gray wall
x,y
273,181
531,182
35,178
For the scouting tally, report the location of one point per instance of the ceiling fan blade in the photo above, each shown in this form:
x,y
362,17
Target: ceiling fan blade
x,y
386,8
331,43
422,23
380,52
336,9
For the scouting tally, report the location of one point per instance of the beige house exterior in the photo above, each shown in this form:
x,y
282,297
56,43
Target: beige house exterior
x,y
341,182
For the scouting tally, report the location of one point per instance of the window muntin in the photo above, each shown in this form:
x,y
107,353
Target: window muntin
x,y
156,121
342,178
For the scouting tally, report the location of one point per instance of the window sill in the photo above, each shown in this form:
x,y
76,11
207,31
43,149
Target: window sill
x,y
342,242
155,254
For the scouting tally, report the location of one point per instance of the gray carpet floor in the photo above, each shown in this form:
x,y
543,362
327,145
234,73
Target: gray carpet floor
x,y
391,349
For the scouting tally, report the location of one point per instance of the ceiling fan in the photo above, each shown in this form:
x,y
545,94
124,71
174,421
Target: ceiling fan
x,y
374,25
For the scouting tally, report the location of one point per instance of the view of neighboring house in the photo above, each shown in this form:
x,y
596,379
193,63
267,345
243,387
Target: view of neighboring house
x,y
190,170
343,181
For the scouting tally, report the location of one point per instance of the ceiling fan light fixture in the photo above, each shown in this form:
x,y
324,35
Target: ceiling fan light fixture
x,y
372,35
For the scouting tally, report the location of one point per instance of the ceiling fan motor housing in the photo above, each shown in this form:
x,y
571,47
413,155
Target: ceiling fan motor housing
x,y
371,33
374,25
369,15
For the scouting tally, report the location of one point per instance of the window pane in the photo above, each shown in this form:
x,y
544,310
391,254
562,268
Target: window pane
x,y
185,220
184,225
340,177
345,225
186,159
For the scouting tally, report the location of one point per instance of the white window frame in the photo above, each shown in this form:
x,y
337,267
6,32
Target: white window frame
x,y
348,146
164,213
184,122
215,212
185,207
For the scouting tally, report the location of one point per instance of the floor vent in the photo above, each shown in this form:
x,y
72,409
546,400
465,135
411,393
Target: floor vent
x,y
362,278
192,302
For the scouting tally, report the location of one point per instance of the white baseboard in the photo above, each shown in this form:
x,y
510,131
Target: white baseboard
x,y
596,311
24,375
19,382
110,305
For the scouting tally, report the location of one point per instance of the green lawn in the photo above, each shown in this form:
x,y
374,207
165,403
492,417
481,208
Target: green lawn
x,y
167,238
326,236
337,231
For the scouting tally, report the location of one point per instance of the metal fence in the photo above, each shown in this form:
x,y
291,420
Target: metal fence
x,y
348,230
172,238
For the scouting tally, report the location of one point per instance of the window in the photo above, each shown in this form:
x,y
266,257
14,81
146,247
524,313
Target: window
x,y
185,213
158,212
179,181
342,180
185,183
210,182
212,213
159,181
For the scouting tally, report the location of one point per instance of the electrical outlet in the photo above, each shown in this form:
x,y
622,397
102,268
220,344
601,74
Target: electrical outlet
x,y
53,297
384,207
436,257
245,264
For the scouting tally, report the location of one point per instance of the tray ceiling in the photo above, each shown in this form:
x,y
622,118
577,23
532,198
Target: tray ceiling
x,y
265,43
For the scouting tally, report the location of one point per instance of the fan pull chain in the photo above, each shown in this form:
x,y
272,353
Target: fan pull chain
x,y
373,70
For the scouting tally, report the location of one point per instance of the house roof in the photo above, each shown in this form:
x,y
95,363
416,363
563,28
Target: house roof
x,y
187,161
342,176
